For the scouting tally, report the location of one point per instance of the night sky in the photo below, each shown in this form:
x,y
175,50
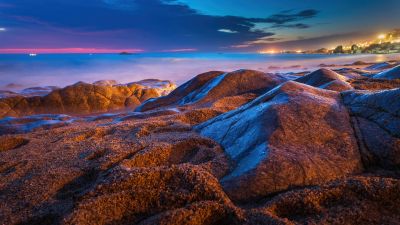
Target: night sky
x,y
189,25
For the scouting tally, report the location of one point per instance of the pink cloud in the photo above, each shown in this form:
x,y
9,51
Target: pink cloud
x,y
181,50
65,50
240,46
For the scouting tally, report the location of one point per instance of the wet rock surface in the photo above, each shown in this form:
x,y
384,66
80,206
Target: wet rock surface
x,y
392,73
268,151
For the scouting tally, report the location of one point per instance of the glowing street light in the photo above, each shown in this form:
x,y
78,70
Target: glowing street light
x,y
382,36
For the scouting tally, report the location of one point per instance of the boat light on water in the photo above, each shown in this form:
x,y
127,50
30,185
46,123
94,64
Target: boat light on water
x,y
32,54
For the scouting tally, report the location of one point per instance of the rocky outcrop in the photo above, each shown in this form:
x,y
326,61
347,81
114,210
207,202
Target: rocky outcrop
x,y
294,135
181,92
383,107
376,117
374,84
294,154
326,79
209,87
391,74
357,200
83,98
132,193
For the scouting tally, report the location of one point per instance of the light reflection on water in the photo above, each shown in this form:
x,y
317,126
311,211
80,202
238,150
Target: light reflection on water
x,y
65,69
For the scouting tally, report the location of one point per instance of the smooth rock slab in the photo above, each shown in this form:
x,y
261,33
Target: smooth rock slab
x,y
393,73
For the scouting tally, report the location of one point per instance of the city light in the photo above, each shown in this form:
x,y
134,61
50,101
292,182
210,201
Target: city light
x,y
271,51
382,36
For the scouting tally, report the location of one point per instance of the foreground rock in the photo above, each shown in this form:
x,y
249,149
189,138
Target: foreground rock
x,y
83,98
358,200
376,117
294,154
294,135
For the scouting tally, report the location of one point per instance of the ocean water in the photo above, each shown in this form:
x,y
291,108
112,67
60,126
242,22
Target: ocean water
x,y
21,70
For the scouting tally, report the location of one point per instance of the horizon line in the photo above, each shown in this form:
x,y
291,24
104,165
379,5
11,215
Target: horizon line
x,y
65,50
82,50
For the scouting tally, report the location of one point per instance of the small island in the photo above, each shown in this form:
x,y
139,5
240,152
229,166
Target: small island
x,y
125,53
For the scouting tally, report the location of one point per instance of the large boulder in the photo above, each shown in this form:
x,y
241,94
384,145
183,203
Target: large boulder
x,y
326,79
293,135
210,87
376,118
382,107
82,98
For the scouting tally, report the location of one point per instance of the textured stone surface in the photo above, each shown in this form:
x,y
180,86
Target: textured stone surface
x,y
209,87
376,117
263,158
326,79
359,200
392,73
83,98
294,135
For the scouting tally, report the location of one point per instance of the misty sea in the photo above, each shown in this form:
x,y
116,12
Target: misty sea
x,y
18,71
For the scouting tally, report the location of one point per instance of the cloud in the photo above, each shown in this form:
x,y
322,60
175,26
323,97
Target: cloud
x,y
152,25
228,31
297,26
288,16
240,46
316,42
265,40
65,50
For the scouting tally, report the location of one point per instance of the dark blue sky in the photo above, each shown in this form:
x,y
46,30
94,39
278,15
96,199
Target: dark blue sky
x,y
183,25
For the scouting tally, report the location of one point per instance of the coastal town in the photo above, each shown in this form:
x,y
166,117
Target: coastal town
x,y
385,43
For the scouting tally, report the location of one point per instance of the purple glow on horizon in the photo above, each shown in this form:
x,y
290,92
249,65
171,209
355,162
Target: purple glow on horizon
x,y
65,50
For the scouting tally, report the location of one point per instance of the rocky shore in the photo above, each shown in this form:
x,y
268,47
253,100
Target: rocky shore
x,y
241,147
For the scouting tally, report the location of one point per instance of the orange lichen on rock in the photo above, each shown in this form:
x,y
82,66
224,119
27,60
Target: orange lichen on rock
x,y
267,151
